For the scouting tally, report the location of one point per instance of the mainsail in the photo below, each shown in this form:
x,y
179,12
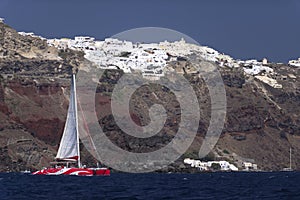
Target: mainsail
x,y
69,144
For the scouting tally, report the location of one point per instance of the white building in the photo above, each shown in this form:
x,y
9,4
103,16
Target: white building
x,y
265,61
31,34
151,59
84,39
295,63
204,166
113,53
115,47
248,166
225,166
256,69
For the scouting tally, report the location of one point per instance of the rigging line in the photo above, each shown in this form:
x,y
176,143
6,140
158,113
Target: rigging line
x,y
88,133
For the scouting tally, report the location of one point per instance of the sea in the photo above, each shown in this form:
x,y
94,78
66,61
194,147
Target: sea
x,y
227,185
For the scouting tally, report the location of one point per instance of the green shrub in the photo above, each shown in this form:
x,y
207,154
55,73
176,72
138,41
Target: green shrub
x,y
226,151
215,166
209,157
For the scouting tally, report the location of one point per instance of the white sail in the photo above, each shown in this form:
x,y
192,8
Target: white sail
x,y
69,144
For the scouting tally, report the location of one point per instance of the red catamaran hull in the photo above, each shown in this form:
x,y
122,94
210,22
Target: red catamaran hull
x,y
74,171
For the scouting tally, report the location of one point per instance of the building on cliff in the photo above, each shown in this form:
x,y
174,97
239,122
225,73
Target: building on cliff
x,y
152,59
295,63
210,165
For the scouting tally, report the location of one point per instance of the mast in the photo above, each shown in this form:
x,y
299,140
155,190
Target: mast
x,y
76,119
290,158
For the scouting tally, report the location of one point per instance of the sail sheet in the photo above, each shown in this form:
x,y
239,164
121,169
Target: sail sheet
x,y
68,148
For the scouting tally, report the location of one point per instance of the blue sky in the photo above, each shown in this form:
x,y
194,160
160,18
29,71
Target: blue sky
x,y
241,28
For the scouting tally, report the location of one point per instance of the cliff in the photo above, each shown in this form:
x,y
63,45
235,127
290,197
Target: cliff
x,y
262,122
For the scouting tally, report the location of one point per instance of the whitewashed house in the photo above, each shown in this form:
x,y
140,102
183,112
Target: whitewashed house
x,y
295,63
265,61
204,166
248,166
225,166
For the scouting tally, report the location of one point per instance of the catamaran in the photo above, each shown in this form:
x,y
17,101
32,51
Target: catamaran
x,y
68,154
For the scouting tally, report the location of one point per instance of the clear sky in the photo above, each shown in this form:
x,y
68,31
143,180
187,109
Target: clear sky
x,y
241,28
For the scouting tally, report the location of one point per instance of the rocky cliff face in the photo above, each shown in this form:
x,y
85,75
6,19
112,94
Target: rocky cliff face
x,y
33,100
262,122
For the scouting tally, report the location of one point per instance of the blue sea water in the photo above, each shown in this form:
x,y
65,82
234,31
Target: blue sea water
x,y
273,185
